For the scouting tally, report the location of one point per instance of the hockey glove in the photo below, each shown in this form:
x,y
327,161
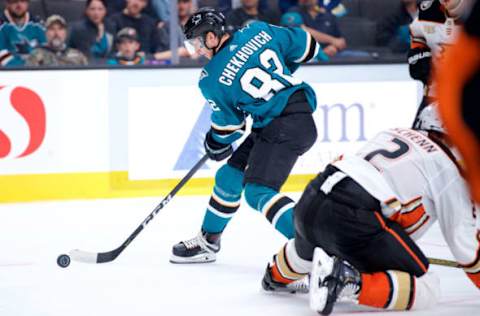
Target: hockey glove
x,y
215,150
419,60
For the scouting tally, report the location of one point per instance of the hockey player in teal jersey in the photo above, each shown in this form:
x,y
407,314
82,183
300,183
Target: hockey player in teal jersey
x,y
19,33
250,74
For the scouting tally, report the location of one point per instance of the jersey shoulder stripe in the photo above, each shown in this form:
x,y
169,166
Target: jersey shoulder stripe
x,y
310,49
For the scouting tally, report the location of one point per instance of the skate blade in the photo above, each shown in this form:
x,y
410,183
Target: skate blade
x,y
322,267
195,259
318,299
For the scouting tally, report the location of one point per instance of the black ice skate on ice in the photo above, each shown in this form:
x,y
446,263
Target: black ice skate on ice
x,y
200,249
270,285
332,280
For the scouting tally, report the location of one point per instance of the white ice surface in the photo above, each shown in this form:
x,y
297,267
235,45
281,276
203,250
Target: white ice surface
x,y
142,282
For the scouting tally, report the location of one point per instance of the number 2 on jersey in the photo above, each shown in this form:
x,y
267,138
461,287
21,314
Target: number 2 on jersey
x,y
403,148
260,84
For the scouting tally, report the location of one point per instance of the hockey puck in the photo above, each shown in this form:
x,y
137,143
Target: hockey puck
x,y
63,261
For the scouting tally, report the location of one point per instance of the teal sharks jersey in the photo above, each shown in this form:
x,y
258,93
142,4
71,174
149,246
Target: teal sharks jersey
x,y
17,41
252,75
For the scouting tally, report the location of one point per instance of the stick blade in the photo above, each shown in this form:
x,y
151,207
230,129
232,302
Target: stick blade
x,y
83,256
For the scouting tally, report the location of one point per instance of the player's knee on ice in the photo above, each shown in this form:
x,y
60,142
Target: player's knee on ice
x,y
277,208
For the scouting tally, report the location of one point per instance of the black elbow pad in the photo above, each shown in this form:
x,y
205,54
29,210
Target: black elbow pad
x,y
419,64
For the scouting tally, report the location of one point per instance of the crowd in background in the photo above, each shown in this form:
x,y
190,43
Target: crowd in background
x,y
133,32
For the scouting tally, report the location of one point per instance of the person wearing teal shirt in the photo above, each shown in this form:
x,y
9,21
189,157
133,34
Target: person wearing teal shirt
x,y
250,74
20,33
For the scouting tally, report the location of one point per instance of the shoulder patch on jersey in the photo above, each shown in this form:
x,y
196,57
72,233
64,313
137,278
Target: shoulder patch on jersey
x,y
425,4
203,74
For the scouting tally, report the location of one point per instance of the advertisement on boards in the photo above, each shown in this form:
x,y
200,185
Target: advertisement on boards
x,y
53,122
347,115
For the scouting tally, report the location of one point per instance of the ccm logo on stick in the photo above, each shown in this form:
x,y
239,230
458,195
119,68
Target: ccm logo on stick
x,y
22,121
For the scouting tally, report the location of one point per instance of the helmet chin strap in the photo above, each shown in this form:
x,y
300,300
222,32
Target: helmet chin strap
x,y
214,50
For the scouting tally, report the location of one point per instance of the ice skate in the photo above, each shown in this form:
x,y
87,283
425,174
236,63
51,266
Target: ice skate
x,y
200,249
332,280
270,285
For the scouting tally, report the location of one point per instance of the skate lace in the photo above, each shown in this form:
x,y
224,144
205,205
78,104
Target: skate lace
x,y
194,242
349,293
197,241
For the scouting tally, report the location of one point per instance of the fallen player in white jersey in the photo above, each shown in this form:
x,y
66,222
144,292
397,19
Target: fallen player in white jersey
x,y
364,213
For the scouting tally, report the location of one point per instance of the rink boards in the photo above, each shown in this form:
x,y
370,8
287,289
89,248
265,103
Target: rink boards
x,y
70,134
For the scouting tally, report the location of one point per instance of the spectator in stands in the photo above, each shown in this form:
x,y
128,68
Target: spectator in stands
x,y
333,6
286,5
20,33
152,39
213,3
115,6
185,9
56,52
92,36
329,5
392,30
226,5
128,49
162,9
247,12
317,21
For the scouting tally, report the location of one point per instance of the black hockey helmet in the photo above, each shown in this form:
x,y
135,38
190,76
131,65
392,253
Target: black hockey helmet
x,y
203,21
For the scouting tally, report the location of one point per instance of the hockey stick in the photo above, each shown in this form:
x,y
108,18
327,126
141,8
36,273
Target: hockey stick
x,y
444,262
101,257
